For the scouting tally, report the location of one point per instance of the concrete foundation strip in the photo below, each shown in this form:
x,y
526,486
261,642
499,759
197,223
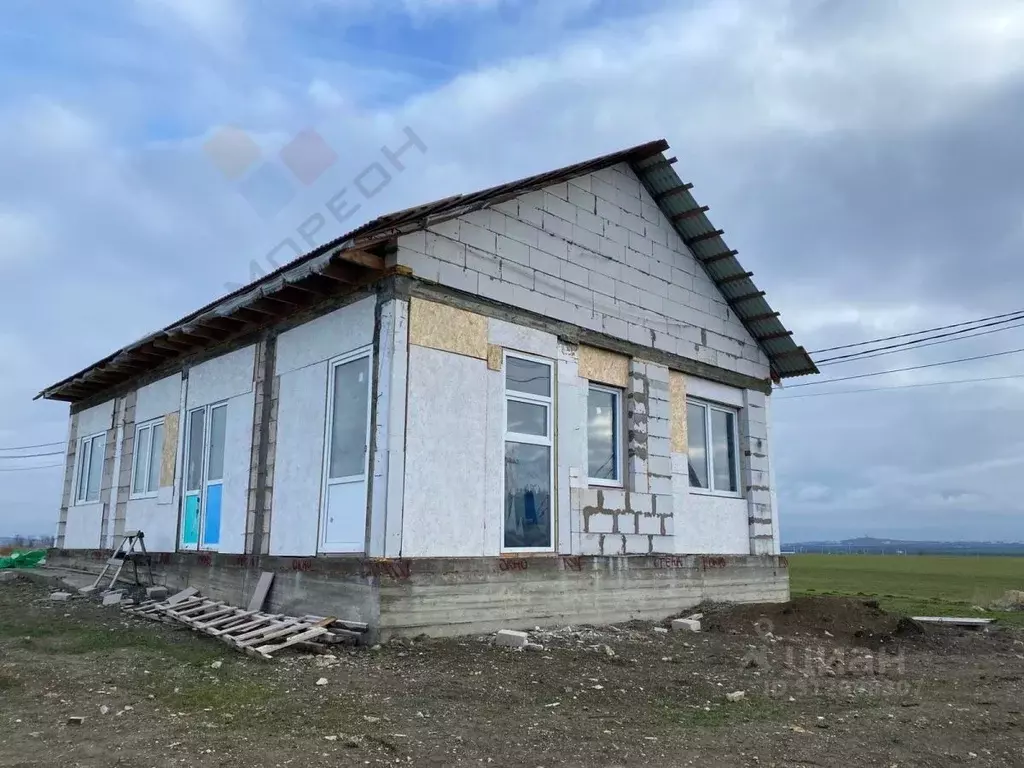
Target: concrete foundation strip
x,y
249,631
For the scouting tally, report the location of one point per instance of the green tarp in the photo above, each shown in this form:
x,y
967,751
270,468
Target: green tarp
x,y
23,558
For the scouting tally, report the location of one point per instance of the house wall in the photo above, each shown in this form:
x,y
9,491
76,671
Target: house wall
x,y
156,515
83,521
597,252
303,356
229,378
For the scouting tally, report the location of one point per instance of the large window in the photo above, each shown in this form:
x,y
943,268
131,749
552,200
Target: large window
x,y
528,454
90,467
149,446
604,436
712,441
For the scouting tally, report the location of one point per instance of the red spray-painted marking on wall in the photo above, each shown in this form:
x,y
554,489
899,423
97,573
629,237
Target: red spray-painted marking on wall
x,y
163,558
572,563
388,569
302,565
713,562
206,560
513,565
244,561
669,562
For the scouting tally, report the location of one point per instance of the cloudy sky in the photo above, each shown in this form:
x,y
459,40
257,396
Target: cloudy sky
x,y
865,158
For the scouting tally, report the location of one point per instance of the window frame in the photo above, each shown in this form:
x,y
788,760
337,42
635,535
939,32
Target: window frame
x,y
520,437
617,441
136,447
709,452
83,465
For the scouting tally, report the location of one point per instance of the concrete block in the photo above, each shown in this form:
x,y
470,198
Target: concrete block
x,y
446,250
458,277
626,522
87,590
521,231
478,237
553,225
510,638
60,597
604,285
649,525
614,499
635,544
560,207
665,545
686,625
156,593
641,483
660,486
600,523
112,598
6,576
591,241
659,465
640,502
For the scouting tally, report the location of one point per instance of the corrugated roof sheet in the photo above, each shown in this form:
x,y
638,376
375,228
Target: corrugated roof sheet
x,y
647,160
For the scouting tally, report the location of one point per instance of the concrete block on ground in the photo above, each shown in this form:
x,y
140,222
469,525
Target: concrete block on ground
x,y
87,590
6,576
60,596
686,625
510,638
112,598
156,593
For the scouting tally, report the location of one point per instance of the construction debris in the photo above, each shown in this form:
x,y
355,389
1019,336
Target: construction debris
x,y
259,595
252,632
511,638
687,625
957,621
60,596
112,598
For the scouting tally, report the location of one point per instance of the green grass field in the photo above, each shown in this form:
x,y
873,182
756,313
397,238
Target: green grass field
x,y
919,585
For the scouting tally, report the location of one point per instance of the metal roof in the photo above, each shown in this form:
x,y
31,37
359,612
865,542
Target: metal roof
x,y
354,260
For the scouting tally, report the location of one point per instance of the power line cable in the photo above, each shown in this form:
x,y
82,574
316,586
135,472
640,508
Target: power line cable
x,y
917,333
26,447
28,469
32,455
900,386
908,368
868,354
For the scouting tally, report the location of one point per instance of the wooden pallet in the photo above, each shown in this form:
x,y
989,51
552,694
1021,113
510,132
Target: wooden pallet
x,y
253,632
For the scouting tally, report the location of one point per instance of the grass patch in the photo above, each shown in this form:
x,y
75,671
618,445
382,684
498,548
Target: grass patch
x,y
9,682
932,585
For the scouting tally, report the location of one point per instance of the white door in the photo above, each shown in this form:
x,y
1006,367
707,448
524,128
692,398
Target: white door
x,y
346,455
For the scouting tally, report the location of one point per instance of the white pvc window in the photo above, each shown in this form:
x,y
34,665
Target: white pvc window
x,y
604,436
149,446
90,467
529,455
712,446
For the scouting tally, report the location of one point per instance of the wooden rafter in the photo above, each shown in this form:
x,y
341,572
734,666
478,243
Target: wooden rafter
x,y
703,236
691,213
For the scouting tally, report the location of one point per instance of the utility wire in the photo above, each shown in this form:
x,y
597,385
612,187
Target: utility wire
x,y
28,469
32,455
868,354
917,333
900,386
908,368
909,344
26,447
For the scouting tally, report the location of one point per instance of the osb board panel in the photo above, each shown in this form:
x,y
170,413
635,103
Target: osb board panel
x,y
603,366
439,326
494,357
677,400
170,450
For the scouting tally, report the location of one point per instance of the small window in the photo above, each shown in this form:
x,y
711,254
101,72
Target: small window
x,y
604,436
90,467
712,442
149,446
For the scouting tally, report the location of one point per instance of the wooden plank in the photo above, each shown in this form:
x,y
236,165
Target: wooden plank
x,y
268,629
265,651
291,629
260,620
228,611
259,595
185,594
227,621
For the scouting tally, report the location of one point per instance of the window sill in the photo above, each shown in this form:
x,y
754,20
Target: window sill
x,y
604,483
716,494
141,496
84,503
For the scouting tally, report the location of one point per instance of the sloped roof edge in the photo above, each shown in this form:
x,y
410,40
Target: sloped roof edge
x,y
653,169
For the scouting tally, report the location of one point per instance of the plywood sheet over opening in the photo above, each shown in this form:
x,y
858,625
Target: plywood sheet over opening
x,y
170,452
439,326
603,366
677,400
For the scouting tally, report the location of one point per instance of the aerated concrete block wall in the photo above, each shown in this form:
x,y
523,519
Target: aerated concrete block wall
x,y
637,519
597,252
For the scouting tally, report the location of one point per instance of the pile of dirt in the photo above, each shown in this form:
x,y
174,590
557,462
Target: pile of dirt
x,y
848,621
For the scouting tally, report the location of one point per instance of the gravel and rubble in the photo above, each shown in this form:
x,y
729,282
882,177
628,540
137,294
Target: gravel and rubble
x,y
816,682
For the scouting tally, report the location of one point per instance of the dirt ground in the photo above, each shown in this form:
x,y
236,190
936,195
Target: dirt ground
x,y
826,682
